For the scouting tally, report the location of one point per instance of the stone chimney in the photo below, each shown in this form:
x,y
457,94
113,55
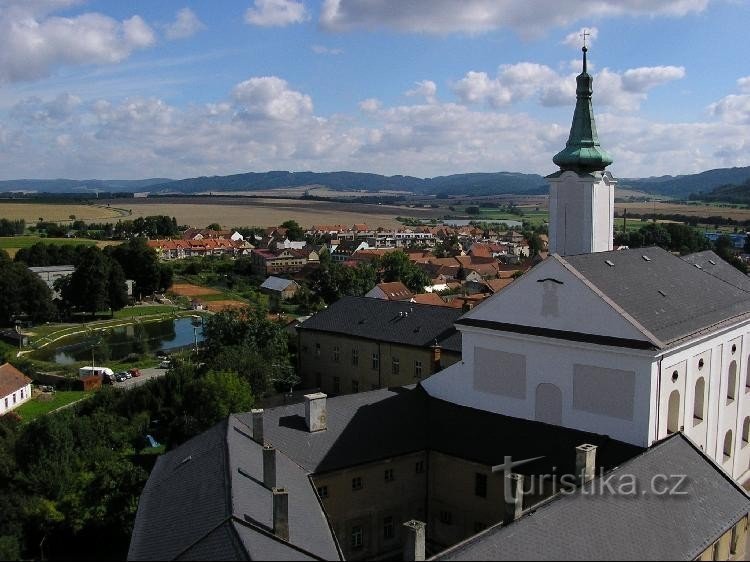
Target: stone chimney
x,y
436,353
414,544
257,426
281,513
513,497
585,463
269,467
316,412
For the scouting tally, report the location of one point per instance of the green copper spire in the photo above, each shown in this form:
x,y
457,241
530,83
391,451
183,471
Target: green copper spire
x,y
582,152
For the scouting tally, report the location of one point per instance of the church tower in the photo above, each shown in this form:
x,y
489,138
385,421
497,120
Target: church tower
x,y
581,195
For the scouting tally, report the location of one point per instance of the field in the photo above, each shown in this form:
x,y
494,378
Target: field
x,y
220,305
190,290
668,208
59,212
36,408
14,243
244,211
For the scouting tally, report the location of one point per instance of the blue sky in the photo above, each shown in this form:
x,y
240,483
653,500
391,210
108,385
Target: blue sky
x,y
110,89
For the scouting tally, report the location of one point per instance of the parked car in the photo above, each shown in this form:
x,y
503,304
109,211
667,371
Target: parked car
x,y
166,364
120,377
135,372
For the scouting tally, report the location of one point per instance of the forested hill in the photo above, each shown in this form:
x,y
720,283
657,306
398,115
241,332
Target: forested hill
x,y
728,193
458,184
683,186
474,184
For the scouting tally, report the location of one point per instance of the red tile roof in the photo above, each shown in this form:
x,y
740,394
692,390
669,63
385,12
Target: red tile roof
x,y
11,380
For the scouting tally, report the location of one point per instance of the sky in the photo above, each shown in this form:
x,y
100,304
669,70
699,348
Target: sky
x,y
178,88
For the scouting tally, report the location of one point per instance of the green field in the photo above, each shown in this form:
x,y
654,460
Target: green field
x,y
36,408
148,310
17,242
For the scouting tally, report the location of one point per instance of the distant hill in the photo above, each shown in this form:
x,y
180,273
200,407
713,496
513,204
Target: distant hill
x,y
459,184
729,193
83,186
683,186
474,184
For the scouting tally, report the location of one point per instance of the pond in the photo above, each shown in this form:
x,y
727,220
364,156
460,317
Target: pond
x,y
116,344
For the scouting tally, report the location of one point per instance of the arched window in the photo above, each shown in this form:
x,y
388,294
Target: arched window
x,y
673,413
728,446
746,431
698,404
732,382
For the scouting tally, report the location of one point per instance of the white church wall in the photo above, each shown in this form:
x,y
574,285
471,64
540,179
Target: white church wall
x,y
550,296
725,406
603,389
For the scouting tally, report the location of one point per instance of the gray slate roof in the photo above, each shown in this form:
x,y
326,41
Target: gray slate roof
x,y
601,525
404,420
714,265
668,296
206,500
276,284
380,320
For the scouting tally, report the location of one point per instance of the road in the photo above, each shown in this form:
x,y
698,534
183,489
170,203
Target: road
x,y
146,375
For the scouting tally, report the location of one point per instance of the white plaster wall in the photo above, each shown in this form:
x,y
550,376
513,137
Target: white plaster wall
x,y
570,306
11,406
549,361
721,414
581,214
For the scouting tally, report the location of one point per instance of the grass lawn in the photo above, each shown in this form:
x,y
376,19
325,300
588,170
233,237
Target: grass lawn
x,y
17,242
35,408
148,310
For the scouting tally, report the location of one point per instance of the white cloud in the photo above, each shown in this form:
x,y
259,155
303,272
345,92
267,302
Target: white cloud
x,y
264,124
270,97
276,13
33,44
639,80
575,39
476,16
524,80
734,108
323,50
185,25
744,84
370,105
426,89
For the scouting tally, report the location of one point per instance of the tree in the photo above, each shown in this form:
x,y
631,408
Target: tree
x,y
22,293
98,283
140,263
214,226
217,395
396,266
293,230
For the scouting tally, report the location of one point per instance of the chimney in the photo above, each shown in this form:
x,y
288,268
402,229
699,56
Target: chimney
x,y
585,463
269,466
258,426
513,497
436,352
316,413
414,545
281,513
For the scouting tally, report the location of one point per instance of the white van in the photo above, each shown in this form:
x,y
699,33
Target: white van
x,y
104,372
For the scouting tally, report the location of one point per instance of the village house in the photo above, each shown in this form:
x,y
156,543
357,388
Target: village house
x,y
279,290
15,388
360,343
393,291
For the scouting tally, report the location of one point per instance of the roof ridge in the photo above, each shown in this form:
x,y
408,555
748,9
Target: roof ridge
x,y
616,307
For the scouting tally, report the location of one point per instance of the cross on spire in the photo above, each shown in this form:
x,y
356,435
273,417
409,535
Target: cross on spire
x,y
584,35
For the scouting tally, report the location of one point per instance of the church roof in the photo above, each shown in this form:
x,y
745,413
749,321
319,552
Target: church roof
x,y
582,152
598,523
669,297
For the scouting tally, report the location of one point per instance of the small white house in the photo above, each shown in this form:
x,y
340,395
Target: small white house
x,y
15,388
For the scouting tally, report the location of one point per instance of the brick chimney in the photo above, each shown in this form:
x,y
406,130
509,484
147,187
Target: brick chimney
x,y
257,426
414,545
316,412
281,513
436,353
585,463
269,467
513,497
